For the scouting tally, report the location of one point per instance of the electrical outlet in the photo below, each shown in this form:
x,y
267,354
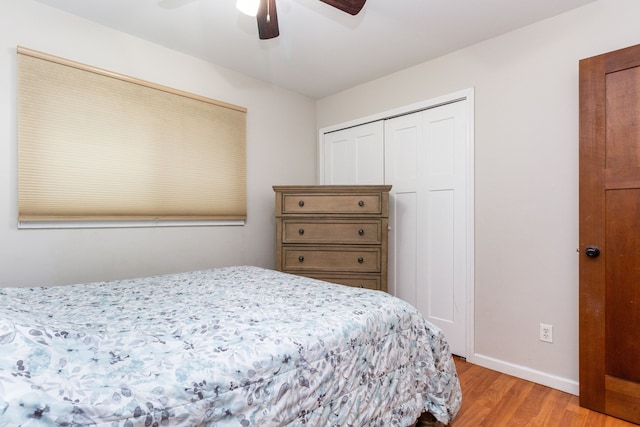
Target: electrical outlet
x,y
546,332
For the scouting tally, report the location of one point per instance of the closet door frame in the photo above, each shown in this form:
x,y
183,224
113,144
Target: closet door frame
x,y
468,95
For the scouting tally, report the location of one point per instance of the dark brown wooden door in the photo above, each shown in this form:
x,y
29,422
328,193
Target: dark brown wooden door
x,y
610,222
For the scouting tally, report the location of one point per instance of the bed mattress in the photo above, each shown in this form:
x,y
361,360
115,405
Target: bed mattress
x,y
235,346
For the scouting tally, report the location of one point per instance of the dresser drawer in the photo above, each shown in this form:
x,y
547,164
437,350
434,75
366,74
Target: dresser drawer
x,y
350,232
334,204
331,259
361,281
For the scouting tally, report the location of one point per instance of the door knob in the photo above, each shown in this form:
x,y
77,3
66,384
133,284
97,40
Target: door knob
x,y
592,251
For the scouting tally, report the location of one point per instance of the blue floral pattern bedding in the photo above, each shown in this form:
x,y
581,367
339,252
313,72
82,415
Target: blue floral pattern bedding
x,y
236,346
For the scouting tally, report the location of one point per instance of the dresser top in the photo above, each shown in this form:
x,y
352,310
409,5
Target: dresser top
x,y
332,188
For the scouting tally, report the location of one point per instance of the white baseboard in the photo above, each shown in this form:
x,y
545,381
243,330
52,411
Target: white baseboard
x,y
539,377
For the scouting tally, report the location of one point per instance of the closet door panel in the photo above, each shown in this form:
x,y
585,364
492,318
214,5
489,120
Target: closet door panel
x,y
402,142
340,159
402,281
426,155
354,156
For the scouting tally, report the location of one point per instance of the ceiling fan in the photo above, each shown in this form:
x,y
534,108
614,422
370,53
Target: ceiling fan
x,y
267,15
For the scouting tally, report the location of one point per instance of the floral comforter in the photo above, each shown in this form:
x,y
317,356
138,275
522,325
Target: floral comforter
x,y
236,346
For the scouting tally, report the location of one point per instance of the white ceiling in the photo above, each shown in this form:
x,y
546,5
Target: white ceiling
x,y
321,50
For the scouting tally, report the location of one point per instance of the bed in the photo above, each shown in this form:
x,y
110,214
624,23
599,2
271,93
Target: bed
x,y
234,346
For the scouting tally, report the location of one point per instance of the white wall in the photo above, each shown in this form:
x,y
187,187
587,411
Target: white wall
x,y
526,175
30,257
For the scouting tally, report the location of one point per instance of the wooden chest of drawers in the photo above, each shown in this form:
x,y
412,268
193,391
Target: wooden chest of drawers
x,y
336,233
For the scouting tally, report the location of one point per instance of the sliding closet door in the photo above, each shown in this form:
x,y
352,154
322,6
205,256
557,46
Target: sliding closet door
x,y
354,156
426,163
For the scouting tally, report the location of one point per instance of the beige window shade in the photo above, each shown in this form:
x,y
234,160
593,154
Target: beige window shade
x,y
94,146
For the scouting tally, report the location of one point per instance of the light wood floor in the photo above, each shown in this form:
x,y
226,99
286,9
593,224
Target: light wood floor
x,y
494,399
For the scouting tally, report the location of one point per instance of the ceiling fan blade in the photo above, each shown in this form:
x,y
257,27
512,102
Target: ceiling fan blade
x,y
352,7
267,20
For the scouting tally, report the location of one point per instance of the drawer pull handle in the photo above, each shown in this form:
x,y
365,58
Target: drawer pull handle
x,y
361,203
360,260
301,203
301,231
361,232
301,258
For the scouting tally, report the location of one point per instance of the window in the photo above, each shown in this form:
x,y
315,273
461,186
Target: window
x,y
97,146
